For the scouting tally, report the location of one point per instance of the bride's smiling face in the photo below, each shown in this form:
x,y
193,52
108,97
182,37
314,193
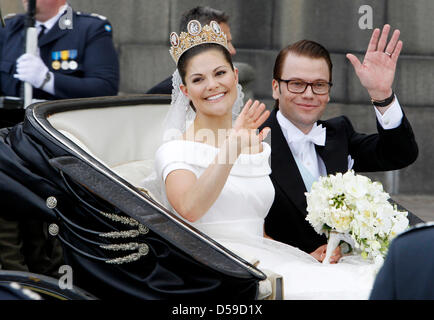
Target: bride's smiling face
x,y
210,83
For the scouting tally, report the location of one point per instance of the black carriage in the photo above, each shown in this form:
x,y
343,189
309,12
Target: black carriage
x,y
75,164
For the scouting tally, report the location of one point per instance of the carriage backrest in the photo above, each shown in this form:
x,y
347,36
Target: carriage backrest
x,y
125,138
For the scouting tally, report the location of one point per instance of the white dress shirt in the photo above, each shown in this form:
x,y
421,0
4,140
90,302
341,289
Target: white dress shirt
x,y
49,86
304,150
52,21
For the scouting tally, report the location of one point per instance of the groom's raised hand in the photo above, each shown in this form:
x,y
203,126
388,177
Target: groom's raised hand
x,y
377,71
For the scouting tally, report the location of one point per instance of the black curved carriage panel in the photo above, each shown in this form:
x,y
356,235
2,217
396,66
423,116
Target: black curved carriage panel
x,y
119,242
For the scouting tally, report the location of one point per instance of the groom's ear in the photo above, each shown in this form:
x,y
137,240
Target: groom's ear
x,y
276,89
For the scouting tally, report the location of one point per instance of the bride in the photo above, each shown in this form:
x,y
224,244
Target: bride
x,y
215,172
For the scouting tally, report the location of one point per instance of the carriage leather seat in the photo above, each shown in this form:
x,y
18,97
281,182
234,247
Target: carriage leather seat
x,y
128,151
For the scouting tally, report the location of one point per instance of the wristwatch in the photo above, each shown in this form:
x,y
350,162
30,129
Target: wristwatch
x,y
46,79
383,103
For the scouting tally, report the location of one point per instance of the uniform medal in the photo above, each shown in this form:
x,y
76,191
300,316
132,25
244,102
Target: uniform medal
x,y
55,65
73,65
55,56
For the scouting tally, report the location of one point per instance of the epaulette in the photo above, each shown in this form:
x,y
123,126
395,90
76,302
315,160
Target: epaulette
x,y
417,227
95,15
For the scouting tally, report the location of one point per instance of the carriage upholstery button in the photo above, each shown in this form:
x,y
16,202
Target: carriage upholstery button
x,y
53,229
51,202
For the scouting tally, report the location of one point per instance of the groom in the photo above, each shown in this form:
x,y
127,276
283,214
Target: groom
x,y
304,148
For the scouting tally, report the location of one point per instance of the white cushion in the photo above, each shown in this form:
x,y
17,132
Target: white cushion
x,y
124,138
134,171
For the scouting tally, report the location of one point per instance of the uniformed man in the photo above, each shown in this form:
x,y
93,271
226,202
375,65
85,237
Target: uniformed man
x,y
76,58
76,55
408,271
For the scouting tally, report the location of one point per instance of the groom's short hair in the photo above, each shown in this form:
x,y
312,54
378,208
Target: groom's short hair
x,y
204,15
304,48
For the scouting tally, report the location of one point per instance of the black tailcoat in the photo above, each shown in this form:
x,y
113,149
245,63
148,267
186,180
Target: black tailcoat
x,y
387,150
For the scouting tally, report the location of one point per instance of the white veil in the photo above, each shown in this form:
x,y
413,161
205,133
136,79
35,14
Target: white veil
x,y
177,120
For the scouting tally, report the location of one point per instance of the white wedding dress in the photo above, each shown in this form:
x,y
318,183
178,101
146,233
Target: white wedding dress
x,y
236,221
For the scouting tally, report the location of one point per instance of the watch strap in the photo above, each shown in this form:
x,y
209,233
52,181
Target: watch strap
x,y
385,102
46,79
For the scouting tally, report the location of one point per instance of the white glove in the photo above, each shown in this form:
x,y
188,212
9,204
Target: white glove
x,y
31,69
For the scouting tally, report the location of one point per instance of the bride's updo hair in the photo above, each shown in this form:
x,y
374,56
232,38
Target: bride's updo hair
x,y
191,53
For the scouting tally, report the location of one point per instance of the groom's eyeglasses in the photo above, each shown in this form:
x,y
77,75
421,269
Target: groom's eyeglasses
x,y
300,86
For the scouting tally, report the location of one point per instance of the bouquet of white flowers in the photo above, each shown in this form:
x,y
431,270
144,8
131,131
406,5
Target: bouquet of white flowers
x,y
357,208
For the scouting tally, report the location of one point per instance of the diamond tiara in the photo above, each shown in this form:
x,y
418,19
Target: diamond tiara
x,y
196,35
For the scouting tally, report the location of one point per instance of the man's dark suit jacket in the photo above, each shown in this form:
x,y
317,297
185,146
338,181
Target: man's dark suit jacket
x,y
388,150
408,271
164,87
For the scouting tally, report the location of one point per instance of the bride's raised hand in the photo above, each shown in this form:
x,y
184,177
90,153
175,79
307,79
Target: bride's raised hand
x,y
252,116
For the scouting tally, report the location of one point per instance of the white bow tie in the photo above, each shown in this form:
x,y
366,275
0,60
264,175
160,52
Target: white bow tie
x,y
317,136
